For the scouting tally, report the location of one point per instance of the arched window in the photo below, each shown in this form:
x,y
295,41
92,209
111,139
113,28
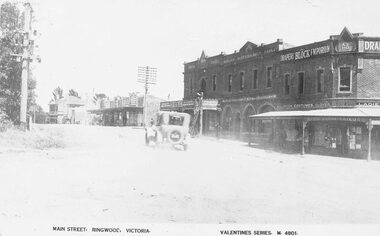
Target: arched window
x,y
246,121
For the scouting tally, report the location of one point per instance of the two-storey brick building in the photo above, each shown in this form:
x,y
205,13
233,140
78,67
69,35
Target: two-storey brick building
x,y
338,76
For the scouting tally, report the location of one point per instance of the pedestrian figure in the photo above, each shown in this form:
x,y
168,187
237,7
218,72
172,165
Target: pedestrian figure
x,y
151,133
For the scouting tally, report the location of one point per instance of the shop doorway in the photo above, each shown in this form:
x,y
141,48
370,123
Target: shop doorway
x,y
227,119
246,121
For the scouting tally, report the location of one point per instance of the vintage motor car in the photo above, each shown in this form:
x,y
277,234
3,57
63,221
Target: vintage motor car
x,y
171,127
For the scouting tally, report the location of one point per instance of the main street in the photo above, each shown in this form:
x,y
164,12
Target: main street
x,y
107,174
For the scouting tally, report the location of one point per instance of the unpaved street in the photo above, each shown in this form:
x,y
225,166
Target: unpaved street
x,y
108,174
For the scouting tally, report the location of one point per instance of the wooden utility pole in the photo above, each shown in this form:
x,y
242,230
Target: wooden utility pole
x,y
25,64
303,137
146,75
369,126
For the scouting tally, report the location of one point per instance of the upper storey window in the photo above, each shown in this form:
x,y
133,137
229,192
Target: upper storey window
x,y
241,81
269,77
301,82
255,79
345,79
229,83
320,80
214,83
287,84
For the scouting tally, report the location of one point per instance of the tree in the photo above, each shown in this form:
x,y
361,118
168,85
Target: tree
x,y
73,93
100,96
57,93
11,23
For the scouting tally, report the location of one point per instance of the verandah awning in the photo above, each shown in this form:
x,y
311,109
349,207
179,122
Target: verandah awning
x,y
349,114
371,116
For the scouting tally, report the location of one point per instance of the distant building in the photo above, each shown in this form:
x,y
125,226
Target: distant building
x,y
126,111
153,106
69,109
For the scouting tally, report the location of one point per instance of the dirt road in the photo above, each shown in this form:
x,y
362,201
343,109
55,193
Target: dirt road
x,y
107,174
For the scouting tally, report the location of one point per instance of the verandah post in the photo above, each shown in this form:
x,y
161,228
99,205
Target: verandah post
x,y
369,139
303,137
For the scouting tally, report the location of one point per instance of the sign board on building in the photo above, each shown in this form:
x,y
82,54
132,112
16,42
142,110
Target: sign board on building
x,y
342,103
191,66
369,46
188,104
352,119
345,47
369,104
210,104
247,56
304,106
305,53
247,99
171,105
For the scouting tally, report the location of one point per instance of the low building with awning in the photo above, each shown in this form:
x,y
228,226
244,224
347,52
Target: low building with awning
x,y
126,111
353,132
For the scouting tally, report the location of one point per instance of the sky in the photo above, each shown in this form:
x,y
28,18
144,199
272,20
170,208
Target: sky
x,y
96,45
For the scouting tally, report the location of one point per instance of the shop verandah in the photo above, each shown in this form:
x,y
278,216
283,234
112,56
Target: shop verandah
x,y
120,116
346,132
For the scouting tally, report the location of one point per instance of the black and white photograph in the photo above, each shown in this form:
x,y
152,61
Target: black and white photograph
x,y
191,117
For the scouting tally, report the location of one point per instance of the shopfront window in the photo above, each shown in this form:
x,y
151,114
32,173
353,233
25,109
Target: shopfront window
x,y
344,138
344,79
319,133
333,136
292,129
355,137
